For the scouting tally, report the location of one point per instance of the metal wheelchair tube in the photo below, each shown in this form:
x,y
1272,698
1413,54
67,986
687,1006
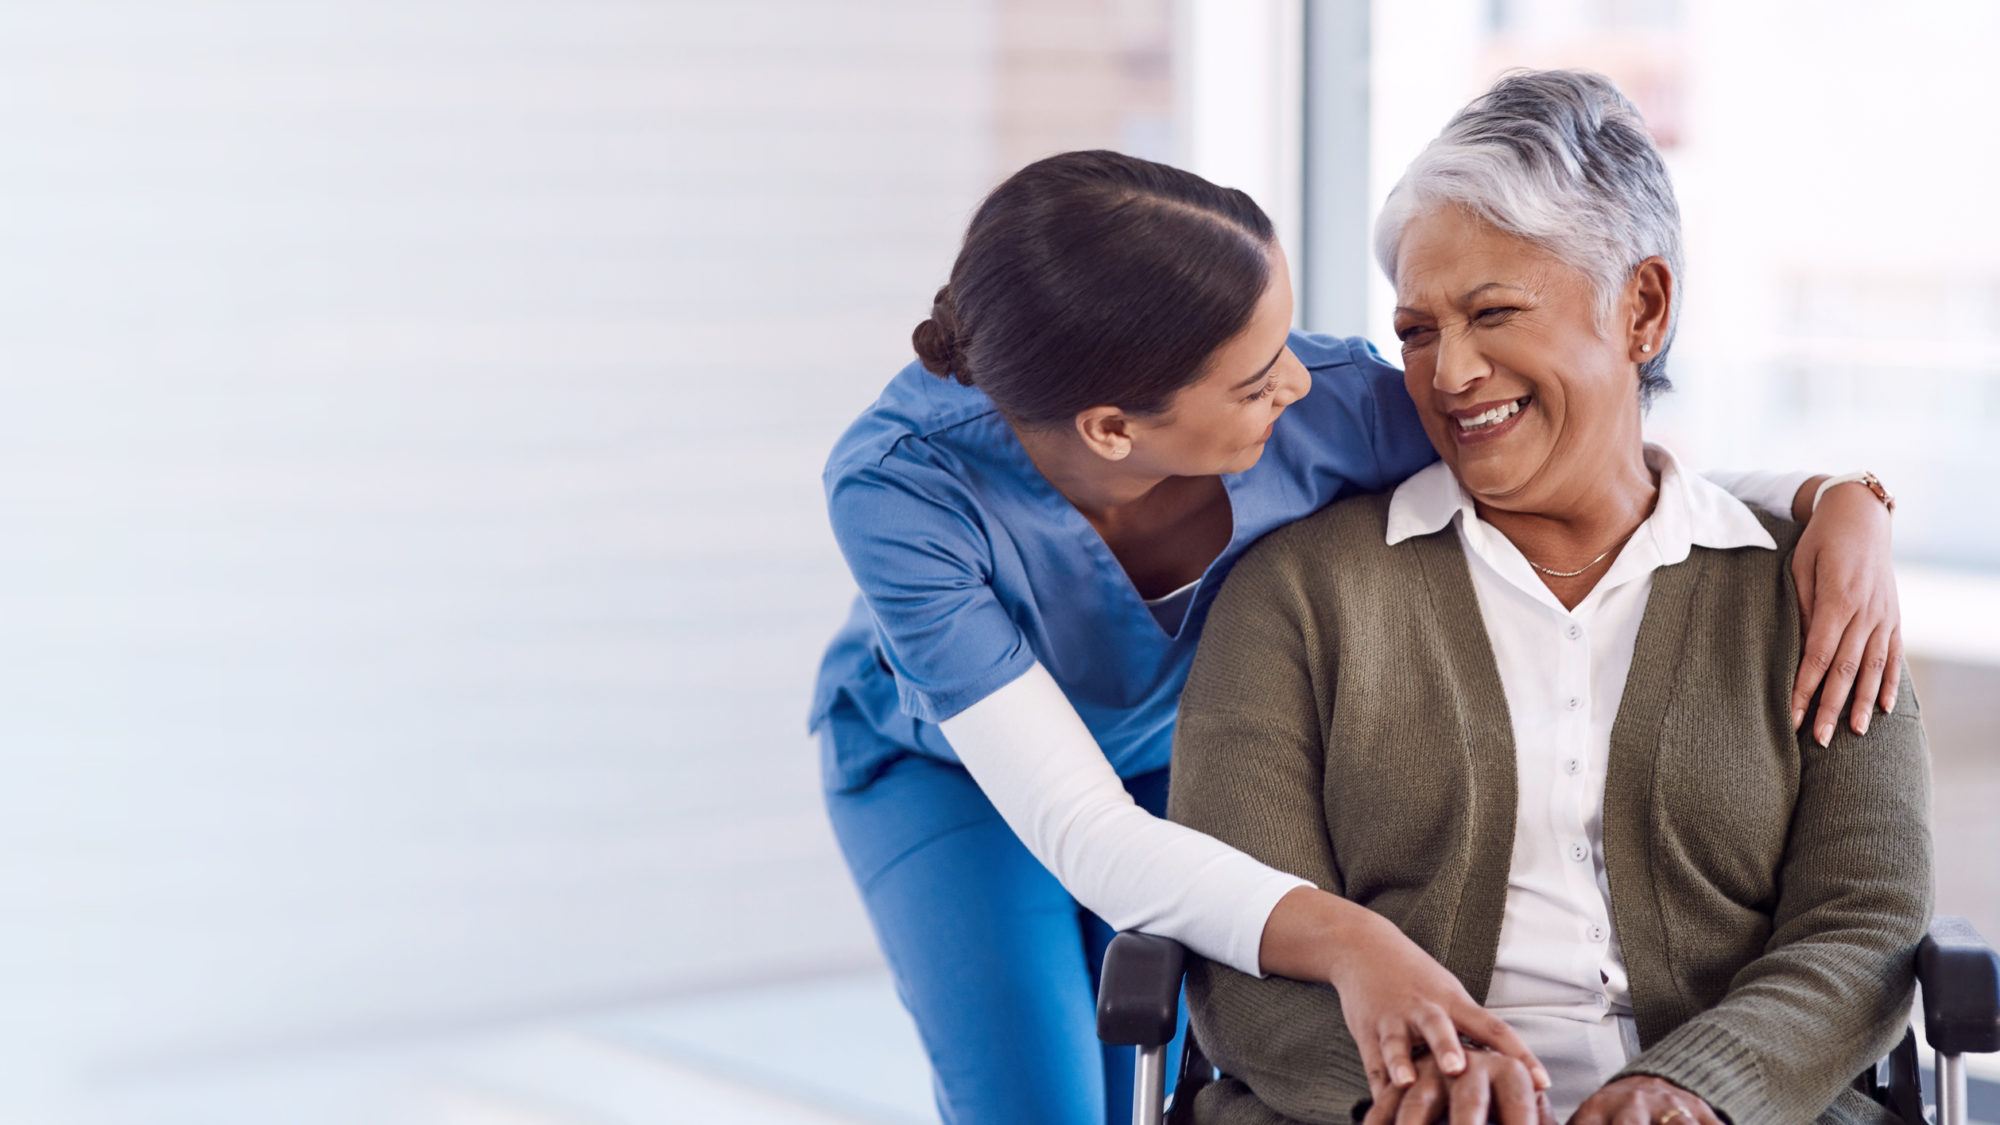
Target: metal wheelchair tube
x,y
1951,1090
1149,1083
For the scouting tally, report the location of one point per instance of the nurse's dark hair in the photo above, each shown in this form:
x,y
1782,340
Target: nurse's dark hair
x,y
1095,278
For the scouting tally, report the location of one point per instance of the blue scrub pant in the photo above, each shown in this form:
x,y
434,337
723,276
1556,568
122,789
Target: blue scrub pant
x,y
995,961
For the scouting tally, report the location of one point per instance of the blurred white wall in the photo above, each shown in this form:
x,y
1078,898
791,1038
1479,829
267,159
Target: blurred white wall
x,y
413,555
1239,101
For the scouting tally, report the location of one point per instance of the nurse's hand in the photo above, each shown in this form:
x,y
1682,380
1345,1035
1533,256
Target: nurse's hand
x,y
1847,598
1392,993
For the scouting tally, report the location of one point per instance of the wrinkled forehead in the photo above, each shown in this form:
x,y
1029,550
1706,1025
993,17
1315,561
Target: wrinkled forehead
x,y
1448,254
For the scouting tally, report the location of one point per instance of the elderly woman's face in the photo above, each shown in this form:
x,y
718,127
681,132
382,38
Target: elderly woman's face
x,y
1520,391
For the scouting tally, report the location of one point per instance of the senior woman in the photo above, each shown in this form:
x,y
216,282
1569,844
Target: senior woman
x,y
1533,705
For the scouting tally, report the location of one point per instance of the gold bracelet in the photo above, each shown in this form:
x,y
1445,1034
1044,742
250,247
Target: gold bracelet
x,y
1869,481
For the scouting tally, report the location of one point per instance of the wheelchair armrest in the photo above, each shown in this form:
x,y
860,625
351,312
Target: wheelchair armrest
x,y
1960,976
1138,994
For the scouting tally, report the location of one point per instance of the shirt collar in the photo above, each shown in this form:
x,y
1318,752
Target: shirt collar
x,y
1696,512
1691,511
1425,503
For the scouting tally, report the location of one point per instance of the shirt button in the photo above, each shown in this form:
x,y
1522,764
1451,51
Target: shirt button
x,y
1596,933
1572,703
1578,852
1574,631
1573,766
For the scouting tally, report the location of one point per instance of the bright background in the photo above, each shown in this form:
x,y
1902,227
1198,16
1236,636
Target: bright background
x,y
414,557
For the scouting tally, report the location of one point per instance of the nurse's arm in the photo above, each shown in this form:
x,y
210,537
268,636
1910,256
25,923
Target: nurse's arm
x,y
1038,763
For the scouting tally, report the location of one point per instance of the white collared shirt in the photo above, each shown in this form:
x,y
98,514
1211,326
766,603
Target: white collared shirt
x,y
1559,976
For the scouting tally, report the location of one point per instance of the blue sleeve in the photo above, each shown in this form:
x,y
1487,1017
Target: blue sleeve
x,y
1397,434
924,565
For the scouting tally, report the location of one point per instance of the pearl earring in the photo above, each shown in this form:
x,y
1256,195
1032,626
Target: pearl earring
x,y
1645,347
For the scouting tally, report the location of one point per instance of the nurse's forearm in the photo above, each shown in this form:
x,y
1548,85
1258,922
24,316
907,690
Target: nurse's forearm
x,y
1802,501
1036,761
1311,936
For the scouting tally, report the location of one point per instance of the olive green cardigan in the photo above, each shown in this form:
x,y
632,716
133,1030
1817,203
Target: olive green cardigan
x,y
1344,721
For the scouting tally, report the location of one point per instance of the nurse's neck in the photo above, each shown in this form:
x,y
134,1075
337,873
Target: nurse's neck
x,y
1103,489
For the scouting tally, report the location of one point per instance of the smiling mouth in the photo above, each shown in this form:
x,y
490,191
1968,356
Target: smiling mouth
x,y
1498,416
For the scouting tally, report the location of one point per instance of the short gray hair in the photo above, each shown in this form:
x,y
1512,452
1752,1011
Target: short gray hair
x,y
1561,159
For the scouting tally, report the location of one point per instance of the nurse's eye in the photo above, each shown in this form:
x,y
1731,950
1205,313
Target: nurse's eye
x,y
1269,388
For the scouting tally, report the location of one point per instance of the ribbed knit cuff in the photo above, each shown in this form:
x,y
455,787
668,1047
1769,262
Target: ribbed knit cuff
x,y
1260,898
1715,1066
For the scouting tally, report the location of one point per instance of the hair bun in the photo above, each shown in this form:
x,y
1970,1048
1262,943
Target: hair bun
x,y
937,340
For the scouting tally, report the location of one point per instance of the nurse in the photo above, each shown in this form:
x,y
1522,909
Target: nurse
x,y
1108,407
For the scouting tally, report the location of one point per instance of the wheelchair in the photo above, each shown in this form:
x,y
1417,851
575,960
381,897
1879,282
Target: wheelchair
x,y
1138,1001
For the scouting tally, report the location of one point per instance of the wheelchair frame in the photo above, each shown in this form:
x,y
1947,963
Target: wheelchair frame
x,y
1958,973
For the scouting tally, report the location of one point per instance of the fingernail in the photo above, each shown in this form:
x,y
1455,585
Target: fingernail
x,y
1824,734
1798,718
1542,1080
1404,1076
1890,709
1863,727
1453,1063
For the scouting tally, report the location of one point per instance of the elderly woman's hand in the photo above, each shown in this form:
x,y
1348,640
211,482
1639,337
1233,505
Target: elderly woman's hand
x,y
1492,1087
1654,1101
1847,593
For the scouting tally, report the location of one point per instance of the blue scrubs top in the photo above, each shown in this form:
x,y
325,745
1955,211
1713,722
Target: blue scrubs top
x,y
972,566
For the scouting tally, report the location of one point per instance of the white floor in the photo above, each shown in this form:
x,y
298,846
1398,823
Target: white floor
x,y
835,1049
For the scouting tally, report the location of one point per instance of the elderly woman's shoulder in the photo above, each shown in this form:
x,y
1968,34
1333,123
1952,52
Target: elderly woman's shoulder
x,y
1783,531
1339,538
1348,524
1776,566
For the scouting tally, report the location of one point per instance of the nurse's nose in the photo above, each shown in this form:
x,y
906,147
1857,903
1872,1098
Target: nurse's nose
x,y
1295,383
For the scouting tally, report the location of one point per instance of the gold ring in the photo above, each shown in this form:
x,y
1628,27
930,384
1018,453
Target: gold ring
x,y
1671,1114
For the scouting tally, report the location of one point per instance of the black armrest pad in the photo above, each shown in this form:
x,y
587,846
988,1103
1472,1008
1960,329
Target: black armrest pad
x,y
1138,996
1960,975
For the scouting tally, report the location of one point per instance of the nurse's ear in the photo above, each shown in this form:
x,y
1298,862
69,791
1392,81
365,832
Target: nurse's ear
x,y
1106,431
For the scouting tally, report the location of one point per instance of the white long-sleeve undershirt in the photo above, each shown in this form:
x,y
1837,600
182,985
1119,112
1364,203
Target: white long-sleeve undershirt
x,y
1039,765
1761,488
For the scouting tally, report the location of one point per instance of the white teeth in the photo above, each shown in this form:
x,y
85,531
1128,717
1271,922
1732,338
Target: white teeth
x,y
1491,417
